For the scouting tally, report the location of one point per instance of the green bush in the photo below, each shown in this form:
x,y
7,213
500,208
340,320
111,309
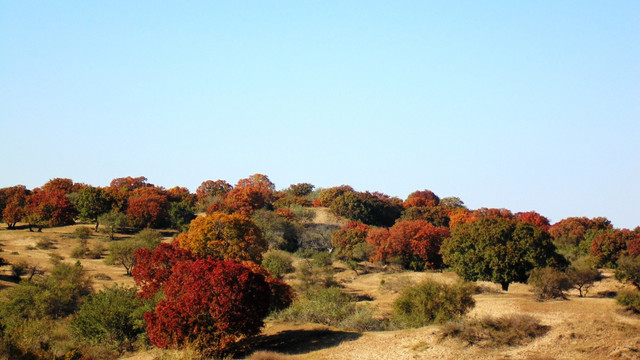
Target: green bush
x,y
277,262
96,252
549,283
110,317
432,302
149,237
510,330
82,233
629,299
322,259
628,270
314,277
55,296
332,307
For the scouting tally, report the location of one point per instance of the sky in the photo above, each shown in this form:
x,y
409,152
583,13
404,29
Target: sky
x,y
518,105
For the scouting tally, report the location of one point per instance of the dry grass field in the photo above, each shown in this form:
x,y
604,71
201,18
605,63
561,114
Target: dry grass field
x,y
593,327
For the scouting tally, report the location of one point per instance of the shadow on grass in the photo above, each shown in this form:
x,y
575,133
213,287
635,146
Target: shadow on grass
x,y
294,342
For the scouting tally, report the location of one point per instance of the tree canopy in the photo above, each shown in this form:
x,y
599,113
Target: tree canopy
x,y
499,250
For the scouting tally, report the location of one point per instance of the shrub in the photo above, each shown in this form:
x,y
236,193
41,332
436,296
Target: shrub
x,y
96,253
109,317
322,259
82,233
311,276
628,270
332,307
45,243
510,330
549,283
629,299
432,302
56,295
55,259
102,276
79,252
277,262
151,238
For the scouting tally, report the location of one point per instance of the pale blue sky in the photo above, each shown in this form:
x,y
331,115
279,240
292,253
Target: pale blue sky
x,y
527,106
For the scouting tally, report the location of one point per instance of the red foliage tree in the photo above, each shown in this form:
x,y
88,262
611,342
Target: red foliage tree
x,y
417,243
148,207
178,194
609,245
12,204
120,189
153,267
534,218
572,230
50,208
252,193
633,245
421,198
326,196
209,303
381,248
211,192
59,184
347,238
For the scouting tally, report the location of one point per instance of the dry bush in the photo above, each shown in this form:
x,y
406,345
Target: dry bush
x,y
549,283
332,307
102,276
629,299
45,243
432,302
508,330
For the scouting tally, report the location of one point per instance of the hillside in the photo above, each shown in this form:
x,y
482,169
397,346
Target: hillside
x,y
579,328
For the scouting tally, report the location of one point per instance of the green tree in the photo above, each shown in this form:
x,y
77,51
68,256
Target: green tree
x,y
124,252
499,250
91,202
112,316
112,222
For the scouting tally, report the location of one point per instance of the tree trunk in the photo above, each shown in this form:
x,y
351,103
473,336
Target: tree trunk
x,y
97,224
505,286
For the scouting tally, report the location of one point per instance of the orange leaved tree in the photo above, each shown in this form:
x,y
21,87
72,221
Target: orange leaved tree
x,y
224,236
